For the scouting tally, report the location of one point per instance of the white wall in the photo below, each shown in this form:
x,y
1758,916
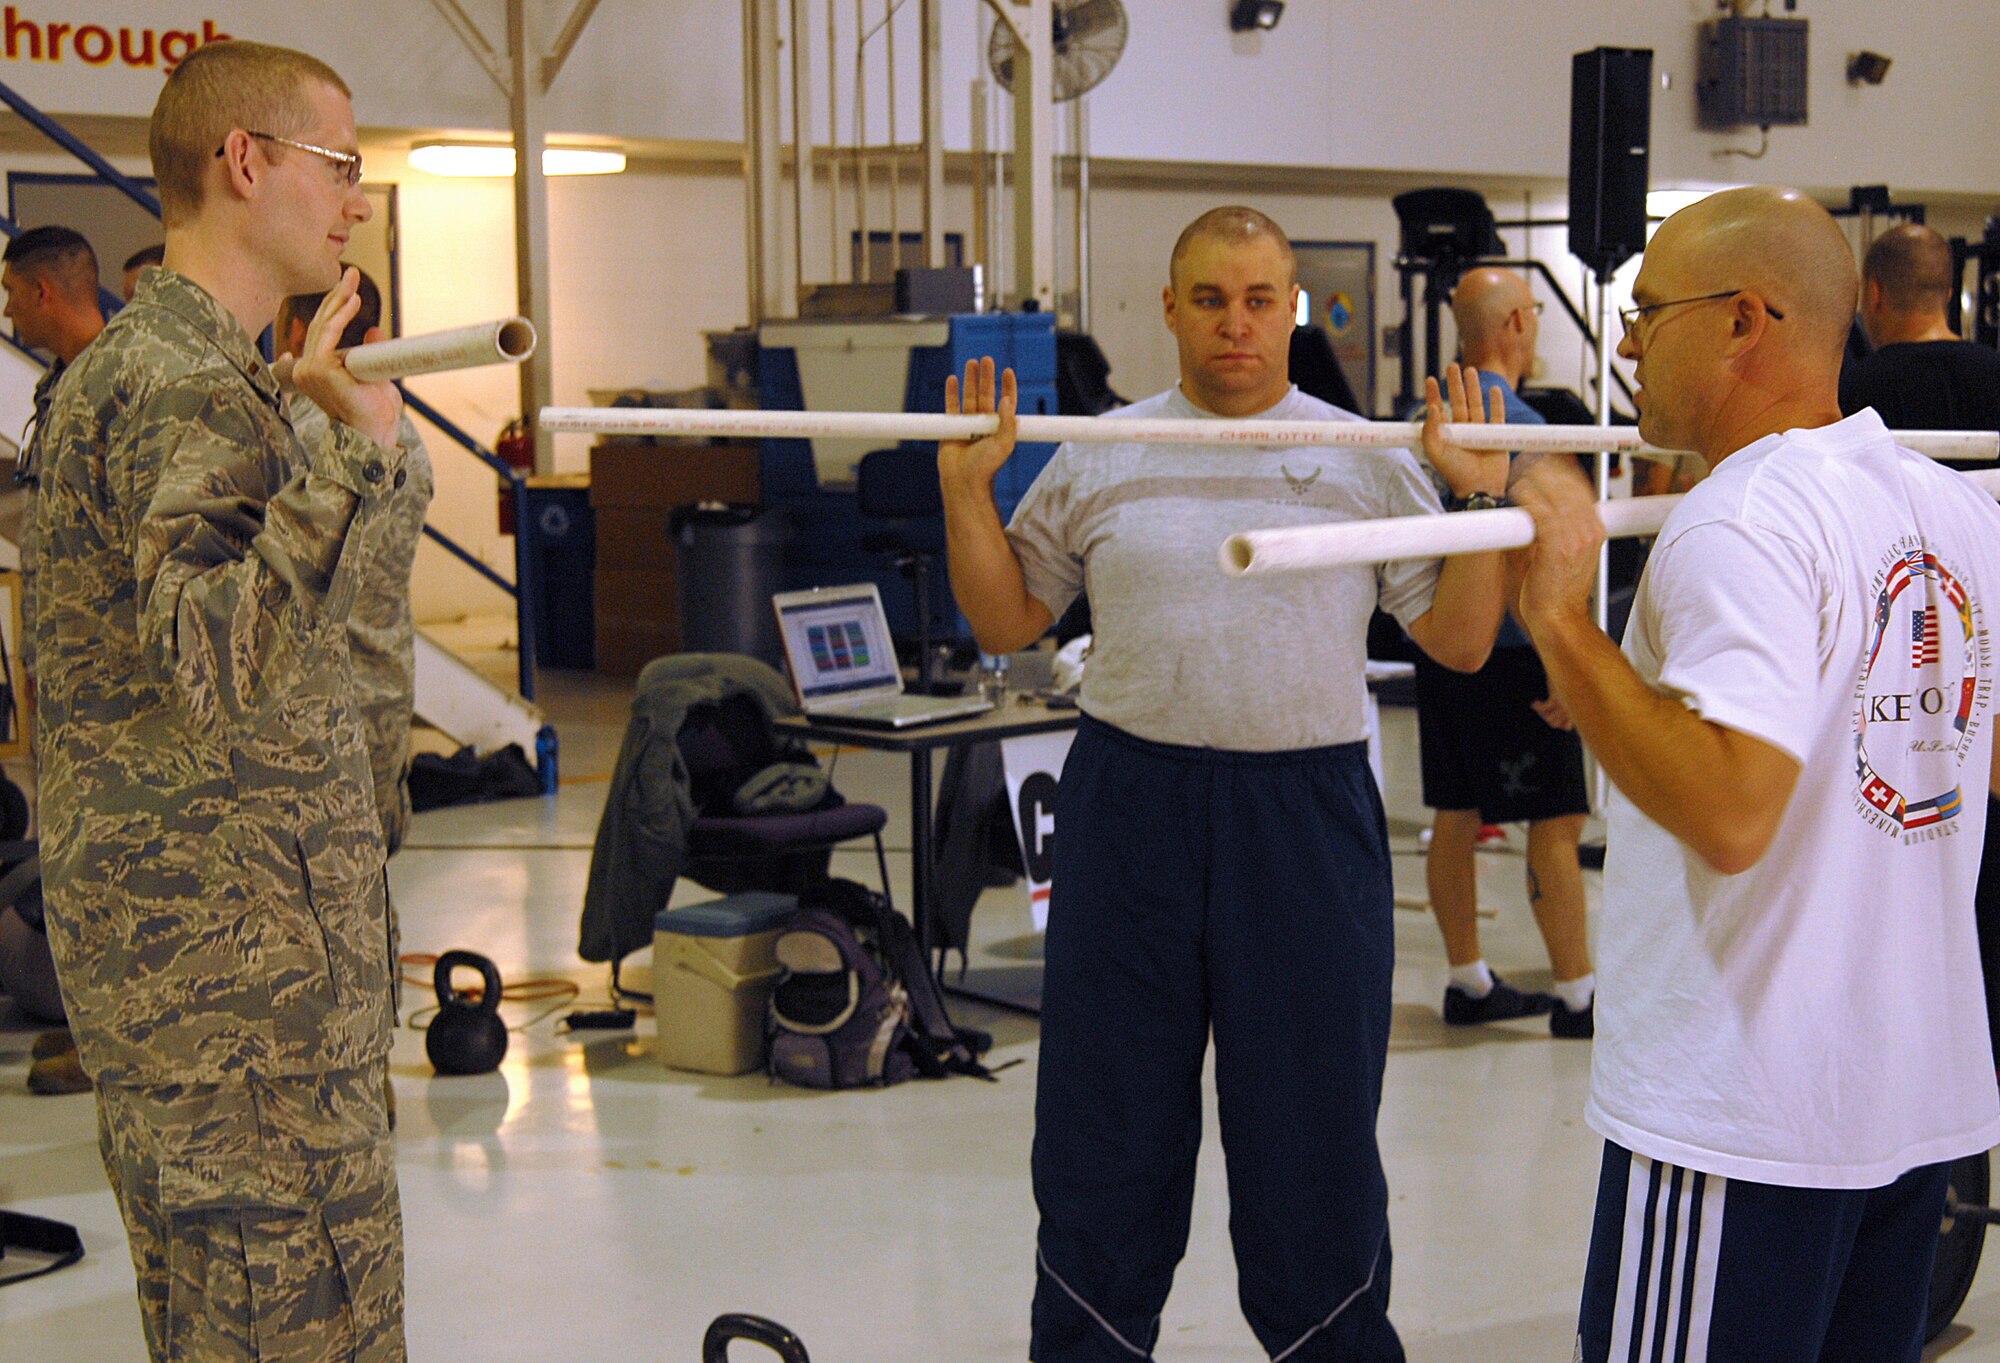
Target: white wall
x,y
1473,86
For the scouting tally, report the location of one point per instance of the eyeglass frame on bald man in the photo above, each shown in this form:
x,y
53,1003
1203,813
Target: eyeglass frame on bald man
x,y
347,162
1631,317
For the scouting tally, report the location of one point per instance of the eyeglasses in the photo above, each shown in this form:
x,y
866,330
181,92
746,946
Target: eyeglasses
x,y
1631,316
1535,307
346,163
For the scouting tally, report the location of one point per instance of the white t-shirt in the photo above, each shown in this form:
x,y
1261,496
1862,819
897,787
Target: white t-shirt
x,y
1183,653
1817,1021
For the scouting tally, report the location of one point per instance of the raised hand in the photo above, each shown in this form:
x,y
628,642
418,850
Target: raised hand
x,y
1465,471
974,462
321,374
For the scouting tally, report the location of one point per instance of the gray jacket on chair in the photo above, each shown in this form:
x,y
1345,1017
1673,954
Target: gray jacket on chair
x,y
642,840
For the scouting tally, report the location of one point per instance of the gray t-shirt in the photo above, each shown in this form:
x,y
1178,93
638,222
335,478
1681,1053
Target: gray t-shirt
x,y
1183,653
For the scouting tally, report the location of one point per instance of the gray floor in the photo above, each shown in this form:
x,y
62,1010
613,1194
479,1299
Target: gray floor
x,y
586,1203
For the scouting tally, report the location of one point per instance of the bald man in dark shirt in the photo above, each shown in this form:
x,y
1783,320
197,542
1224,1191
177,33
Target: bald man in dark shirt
x,y
1921,375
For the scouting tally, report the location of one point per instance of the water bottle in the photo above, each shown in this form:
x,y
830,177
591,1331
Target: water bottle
x,y
993,677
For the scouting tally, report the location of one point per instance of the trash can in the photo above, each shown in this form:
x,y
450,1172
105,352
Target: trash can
x,y
731,563
714,967
562,540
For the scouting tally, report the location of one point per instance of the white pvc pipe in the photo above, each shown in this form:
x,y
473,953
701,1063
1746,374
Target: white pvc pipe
x,y
1347,543
677,421
750,425
507,341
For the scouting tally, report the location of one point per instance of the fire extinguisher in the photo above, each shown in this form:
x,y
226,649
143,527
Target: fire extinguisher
x,y
516,448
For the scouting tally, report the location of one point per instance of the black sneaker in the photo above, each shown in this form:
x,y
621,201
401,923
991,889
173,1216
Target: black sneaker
x,y
1502,1002
1578,1024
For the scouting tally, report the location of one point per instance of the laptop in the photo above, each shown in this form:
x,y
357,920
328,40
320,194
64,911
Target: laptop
x,y
843,662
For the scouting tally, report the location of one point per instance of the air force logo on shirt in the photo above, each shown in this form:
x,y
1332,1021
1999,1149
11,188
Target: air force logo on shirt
x,y
1925,680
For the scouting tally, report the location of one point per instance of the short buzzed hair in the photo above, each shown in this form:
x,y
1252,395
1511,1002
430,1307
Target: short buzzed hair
x,y
59,255
1230,224
1913,265
223,86
302,307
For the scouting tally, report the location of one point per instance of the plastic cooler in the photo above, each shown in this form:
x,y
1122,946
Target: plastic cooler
x,y
714,967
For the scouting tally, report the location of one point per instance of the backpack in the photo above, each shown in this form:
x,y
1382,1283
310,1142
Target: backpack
x,y
856,1004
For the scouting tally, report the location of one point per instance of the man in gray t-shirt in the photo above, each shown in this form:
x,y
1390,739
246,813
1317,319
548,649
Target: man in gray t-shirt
x,y
1223,866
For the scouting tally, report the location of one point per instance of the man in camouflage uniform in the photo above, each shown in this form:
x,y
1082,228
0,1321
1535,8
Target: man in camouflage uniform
x,y
49,277
381,632
213,859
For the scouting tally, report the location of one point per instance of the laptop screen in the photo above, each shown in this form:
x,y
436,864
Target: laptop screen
x,y
838,644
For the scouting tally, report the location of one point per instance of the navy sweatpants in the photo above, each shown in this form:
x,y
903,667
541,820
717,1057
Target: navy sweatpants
x,y
1687,1267
1250,894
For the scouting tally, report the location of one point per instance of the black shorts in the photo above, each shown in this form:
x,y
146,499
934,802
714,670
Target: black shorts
x,y
1485,748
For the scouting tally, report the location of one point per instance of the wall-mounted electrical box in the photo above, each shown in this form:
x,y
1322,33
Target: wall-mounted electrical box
x,y
1753,73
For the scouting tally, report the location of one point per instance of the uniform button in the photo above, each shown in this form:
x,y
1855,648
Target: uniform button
x,y
402,477
374,472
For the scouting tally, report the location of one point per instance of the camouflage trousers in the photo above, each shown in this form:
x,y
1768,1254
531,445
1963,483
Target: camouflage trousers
x,y
263,1217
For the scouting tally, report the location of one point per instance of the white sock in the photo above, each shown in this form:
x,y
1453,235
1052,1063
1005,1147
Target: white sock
x,y
1576,994
1474,980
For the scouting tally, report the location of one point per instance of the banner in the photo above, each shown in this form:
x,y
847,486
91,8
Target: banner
x,y
1034,765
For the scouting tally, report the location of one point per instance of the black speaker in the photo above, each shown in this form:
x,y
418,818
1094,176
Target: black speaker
x,y
1610,132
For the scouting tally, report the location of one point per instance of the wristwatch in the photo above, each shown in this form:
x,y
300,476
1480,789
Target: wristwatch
x,y
1475,501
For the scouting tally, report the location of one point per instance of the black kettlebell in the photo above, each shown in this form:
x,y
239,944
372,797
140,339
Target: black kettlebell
x,y
466,1038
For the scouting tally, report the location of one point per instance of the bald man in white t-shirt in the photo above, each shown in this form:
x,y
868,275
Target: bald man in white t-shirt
x,y
1791,1037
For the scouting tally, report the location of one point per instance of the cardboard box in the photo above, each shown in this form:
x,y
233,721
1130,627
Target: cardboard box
x,y
637,595
623,647
626,474
635,537
638,618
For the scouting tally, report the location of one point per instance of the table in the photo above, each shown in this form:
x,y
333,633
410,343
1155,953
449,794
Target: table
x,y
1013,718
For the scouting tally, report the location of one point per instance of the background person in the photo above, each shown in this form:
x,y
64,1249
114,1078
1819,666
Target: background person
x,y
1497,748
137,261
1920,376
1793,1041
1223,867
49,277
211,853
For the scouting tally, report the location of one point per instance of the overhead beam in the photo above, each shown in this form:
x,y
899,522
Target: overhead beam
x,y
489,57
572,29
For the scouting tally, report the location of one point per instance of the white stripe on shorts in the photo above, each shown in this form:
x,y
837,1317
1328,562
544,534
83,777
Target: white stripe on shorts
x,y
1666,1264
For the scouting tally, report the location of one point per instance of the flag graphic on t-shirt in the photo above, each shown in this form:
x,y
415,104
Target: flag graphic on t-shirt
x,y
1923,637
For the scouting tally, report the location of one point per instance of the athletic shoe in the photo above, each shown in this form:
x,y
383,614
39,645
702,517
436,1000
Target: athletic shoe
x,y
53,1043
1490,832
1502,1002
1579,1024
59,1073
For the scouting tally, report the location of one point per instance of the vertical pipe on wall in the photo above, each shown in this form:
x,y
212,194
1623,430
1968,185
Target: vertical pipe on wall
x,y
834,270
865,269
1080,136
931,77
802,145
527,113
895,149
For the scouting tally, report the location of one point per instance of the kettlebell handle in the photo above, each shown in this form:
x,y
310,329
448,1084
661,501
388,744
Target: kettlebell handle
x,y
489,973
756,1329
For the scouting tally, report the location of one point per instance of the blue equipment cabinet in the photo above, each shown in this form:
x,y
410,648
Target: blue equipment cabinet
x,y
840,366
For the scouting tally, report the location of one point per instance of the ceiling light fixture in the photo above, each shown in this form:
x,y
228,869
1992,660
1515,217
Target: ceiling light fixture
x,y
491,159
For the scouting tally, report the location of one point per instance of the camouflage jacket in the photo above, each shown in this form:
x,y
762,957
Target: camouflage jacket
x,y
381,632
28,473
212,861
